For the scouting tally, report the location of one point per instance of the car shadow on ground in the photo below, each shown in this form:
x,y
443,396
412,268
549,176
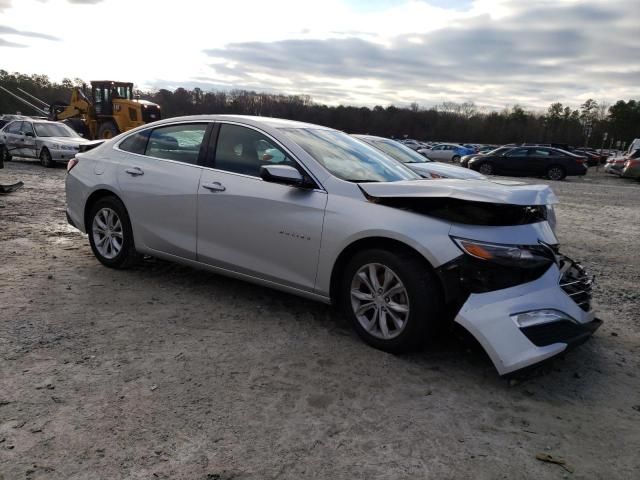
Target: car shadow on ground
x,y
453,352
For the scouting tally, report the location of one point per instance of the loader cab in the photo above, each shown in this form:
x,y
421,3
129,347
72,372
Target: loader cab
x,y
103,93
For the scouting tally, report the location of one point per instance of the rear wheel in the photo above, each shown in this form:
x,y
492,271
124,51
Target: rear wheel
x,y
45,158
107,130
393,302
486,168
111,235
556,172
456,158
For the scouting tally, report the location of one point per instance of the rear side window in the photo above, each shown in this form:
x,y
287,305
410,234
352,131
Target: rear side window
x,y
518,152
177,142
136,143
13,127
538,152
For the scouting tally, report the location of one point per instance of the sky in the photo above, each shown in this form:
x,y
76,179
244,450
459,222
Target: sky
x,y
496,53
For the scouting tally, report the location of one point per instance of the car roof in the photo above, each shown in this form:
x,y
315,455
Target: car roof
x,y
247,119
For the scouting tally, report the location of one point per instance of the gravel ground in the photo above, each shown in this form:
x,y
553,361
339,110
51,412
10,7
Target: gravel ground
x,y
167,372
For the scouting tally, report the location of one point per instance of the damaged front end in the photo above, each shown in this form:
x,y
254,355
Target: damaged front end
x,y
510,287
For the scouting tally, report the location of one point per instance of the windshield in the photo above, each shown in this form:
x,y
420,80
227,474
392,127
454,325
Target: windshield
x,y
397,150
347,158
53,130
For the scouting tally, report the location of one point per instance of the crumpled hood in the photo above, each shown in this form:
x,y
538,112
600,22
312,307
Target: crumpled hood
x,y
489,191
450,171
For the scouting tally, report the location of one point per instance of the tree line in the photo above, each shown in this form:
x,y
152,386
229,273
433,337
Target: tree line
x,y
447,122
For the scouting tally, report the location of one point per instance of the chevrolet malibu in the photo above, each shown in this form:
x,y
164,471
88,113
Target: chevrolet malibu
x,y
312,211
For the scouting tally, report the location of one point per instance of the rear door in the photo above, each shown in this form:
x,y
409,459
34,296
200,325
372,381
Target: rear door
x,y
28,148
515,162
158,175
247,225
540,159
11,136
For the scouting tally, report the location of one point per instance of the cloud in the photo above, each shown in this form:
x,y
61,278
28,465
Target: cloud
x,y
12,31
6,4
538,53
7,43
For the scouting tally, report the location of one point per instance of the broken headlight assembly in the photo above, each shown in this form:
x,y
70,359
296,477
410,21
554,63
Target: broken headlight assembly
x,y
522,256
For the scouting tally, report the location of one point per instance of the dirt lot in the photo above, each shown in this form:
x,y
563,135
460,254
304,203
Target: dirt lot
x,y
167,372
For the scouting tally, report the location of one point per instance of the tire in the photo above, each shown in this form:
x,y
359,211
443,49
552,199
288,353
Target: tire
x,y
4,153
486,168
107,130
455,159
109,219
556,172
45,158
416,291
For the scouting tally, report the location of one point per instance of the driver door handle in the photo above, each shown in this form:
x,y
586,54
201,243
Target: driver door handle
x,y
135,171
214,187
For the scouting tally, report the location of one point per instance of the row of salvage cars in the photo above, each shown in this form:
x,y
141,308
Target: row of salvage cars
x,y
325,215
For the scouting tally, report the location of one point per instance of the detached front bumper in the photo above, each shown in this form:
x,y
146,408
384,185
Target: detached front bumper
x,y
492,317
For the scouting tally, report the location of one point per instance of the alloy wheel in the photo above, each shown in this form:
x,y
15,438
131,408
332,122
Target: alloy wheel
x,y
107,233
379,301
554,173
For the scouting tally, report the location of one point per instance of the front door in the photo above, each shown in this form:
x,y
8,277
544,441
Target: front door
x,y
28,141
158,175
247,225
12,138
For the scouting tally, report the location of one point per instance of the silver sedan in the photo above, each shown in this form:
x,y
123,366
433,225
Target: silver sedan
x,y
318,213
46,141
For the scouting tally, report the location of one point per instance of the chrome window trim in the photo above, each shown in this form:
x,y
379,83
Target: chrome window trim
x,y
117,147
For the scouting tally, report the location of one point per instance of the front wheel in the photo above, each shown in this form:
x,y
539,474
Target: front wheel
x,y
111,235
456,158
393,302
107,130
45,158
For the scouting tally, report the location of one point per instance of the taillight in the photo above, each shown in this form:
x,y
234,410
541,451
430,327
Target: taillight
x,y
72,163
581,160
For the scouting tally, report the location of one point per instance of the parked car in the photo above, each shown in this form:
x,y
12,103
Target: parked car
x,y
615,165
424,167
449,152
553,163
412,144
592,157
340,222
49,142
464,161
631,168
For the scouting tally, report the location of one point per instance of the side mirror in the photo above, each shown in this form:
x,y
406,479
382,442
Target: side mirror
x,y
284,174
29,134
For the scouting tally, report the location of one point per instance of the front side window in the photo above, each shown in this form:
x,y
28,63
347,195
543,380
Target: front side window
x,y
26,128
176,142
348,158
244,150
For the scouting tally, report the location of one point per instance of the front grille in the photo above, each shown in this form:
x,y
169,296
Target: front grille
x,y
576,283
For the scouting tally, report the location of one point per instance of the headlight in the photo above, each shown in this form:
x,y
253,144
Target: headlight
x,y
508,255
54,146
69,148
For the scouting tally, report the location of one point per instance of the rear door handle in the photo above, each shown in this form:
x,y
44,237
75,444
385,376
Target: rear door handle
x,y
135,171
214,187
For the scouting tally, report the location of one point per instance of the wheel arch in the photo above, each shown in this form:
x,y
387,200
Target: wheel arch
x,y
361,244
